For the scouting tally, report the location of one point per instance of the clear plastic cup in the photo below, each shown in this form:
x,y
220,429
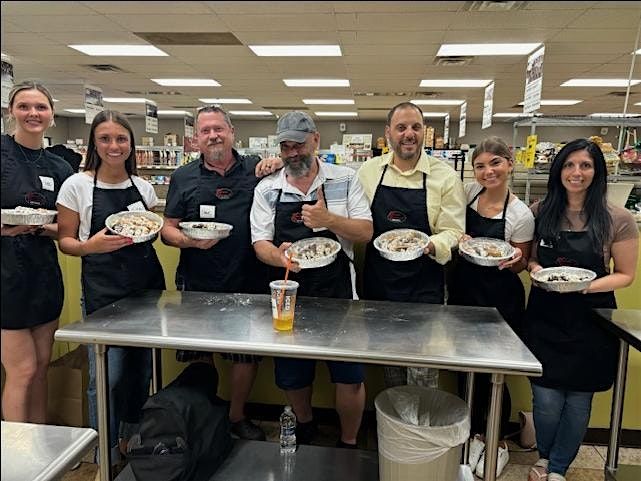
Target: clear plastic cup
x,y
283,304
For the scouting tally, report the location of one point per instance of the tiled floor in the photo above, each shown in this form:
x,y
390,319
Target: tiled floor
x,y
588,465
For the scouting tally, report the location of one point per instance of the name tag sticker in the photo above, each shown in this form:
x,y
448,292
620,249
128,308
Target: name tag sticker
x,y
319,229
47,183
136,206
207,211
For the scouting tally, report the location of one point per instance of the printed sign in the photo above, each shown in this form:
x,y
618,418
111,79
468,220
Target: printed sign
x,y
530,151
487,106
446,130
462,120
93,102
533,82
151,117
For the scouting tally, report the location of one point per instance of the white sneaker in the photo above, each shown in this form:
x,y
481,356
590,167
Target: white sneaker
x,y
477,448
501,462
556,477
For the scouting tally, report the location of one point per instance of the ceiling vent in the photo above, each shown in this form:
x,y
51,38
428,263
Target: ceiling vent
x,y
620,94
163,92
393,94
489,6
105,67
297,107
189,38
453,61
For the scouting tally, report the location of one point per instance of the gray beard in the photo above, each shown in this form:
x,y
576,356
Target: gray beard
x,y
300,170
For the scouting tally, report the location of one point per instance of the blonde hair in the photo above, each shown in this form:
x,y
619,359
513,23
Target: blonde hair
x,y
493,145
28,85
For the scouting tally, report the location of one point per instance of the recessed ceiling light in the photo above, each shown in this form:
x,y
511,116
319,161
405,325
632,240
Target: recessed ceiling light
x,y
125,100
173,112
437,102
296,50
250,112
463,49
434,114
75,111
511,114
328,101
337,114
120,50
186,82
454,83
558,102
613,114
226,101
599,82
310,82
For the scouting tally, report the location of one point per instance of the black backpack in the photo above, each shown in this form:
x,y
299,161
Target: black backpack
x,y
184,430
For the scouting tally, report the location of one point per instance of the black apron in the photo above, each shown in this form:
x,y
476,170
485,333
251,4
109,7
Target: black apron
x,y
562,331
32,289
473,285
419,280
231,265
333,280
111,276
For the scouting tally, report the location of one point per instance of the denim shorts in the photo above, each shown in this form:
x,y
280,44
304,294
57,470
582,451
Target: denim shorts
x,y
293,374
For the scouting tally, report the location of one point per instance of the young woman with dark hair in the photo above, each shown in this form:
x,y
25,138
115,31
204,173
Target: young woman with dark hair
x,y
575,226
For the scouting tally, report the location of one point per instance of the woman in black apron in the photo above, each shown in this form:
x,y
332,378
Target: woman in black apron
x,y
574,227
32,289
473,285
112,266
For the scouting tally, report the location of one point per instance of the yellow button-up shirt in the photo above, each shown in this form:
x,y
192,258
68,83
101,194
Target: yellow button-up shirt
x,y
445,196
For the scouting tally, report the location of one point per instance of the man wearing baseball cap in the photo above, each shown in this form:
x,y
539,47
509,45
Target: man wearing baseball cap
x,y
309,198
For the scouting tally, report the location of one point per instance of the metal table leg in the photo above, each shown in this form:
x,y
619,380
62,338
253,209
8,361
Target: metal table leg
x,y
469,399
493,427
102,398
616,415
156,370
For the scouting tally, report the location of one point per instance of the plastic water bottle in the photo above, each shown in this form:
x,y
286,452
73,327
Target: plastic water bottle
x,y
288,431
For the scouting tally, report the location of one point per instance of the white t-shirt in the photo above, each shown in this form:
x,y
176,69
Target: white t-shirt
x,y
76,193
519,220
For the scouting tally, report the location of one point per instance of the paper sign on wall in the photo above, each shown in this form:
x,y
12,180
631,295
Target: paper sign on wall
x,y
151,117
93,102
487,106
462,120
533,82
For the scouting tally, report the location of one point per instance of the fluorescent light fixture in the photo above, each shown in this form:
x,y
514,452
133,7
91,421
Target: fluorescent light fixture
x,y
558,102
638,52
463,49
250,112
437,102
186,82
296,50
75,111
125,100
599,82
637,103
612,114
434,114
320,82
173,112
454,83
511,114
328,101
226,101
337,114
55,100
120,50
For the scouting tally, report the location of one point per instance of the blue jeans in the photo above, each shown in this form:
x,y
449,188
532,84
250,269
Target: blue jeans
x,y
561,419
129,377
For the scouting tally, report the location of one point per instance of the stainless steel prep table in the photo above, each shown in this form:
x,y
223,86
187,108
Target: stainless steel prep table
x,y
40,452
626,325
471,339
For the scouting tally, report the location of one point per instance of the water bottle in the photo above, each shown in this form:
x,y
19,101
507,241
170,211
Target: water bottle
x,y
288,431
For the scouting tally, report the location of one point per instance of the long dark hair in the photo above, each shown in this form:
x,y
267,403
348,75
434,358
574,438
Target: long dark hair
x,y
553,208
93,160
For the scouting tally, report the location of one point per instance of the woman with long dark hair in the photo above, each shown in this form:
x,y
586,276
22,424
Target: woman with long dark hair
x,y
575,226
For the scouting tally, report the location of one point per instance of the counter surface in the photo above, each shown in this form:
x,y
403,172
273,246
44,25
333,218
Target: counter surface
x,y
452,337
625,323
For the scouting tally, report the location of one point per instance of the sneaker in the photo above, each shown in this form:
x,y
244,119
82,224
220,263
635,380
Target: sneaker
x,y
246,429
306,432
477,448
539,472
501,462
556,477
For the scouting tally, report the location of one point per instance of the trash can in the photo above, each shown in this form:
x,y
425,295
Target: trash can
x,y
420,434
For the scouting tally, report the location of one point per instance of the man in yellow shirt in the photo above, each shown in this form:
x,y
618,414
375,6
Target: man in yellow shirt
x,y
408,189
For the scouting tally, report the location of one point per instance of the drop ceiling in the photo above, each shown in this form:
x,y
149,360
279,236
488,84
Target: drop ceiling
x,y
388,48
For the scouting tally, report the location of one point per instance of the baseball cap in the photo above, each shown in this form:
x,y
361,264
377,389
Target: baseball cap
x,y
294,127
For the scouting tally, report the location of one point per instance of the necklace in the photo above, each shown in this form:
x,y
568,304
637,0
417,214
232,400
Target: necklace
x,y
29,159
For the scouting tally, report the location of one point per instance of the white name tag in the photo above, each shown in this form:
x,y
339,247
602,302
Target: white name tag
x,y
319,229
47,183
207,211
136,206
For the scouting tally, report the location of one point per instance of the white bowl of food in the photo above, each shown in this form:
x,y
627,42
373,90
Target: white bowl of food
x,y
28,216
402,244
206,230
563,279
313,252
486,251
140,226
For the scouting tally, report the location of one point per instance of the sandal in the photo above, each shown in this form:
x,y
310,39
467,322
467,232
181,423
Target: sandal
x,y
539,472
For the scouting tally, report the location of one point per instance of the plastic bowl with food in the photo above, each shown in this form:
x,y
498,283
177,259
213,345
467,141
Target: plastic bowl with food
x,y
402,244
563,279
206,230
313,252
27,216
486,251
140,226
